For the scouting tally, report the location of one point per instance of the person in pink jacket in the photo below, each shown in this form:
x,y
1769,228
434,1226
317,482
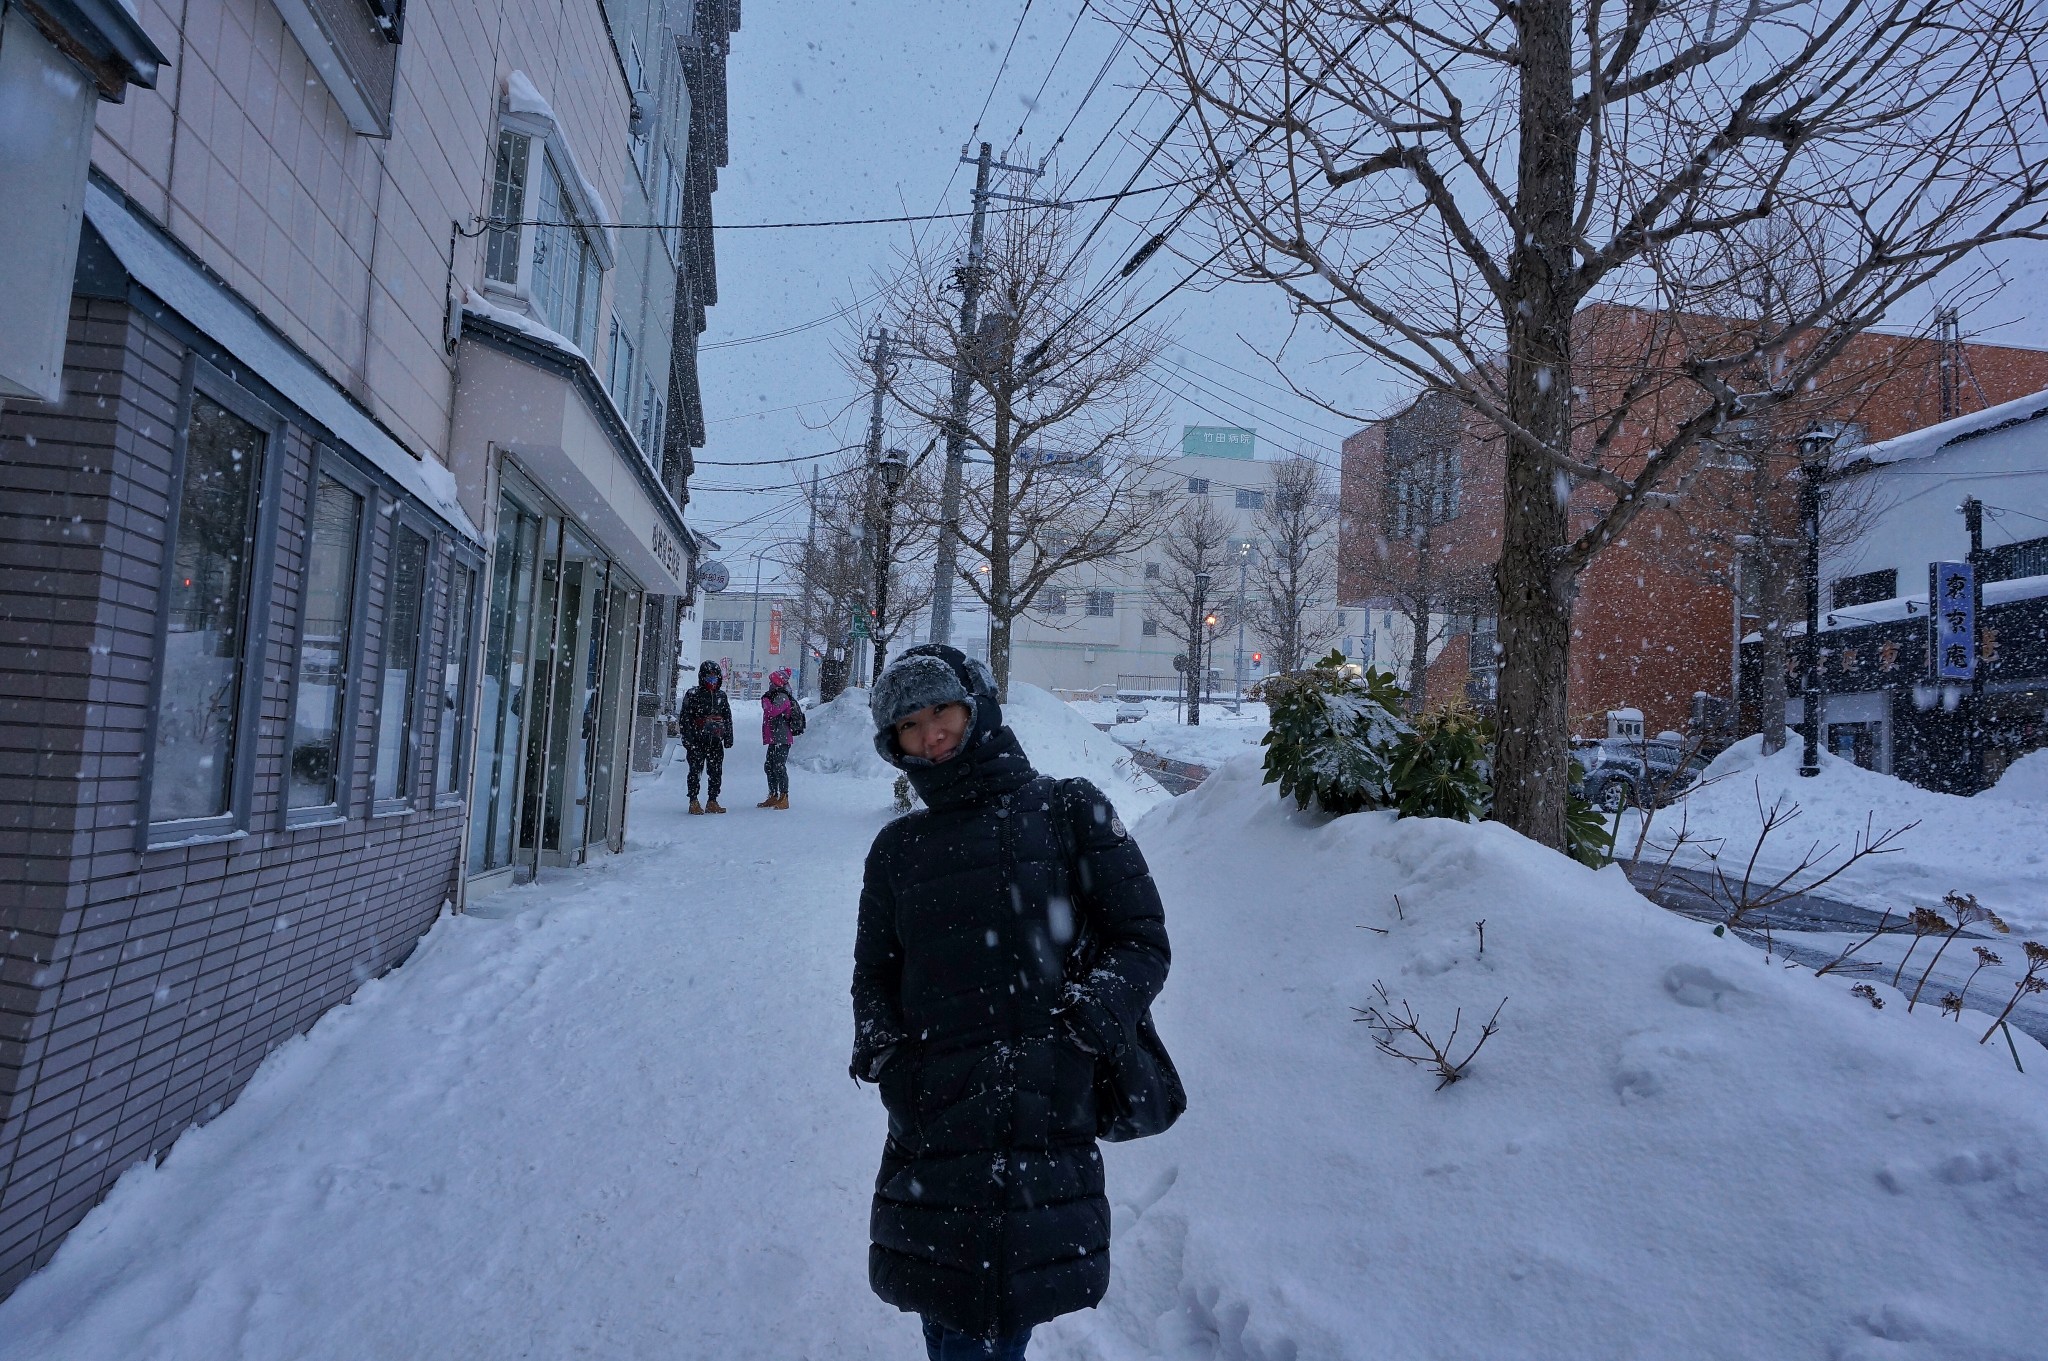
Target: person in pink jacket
x,y
782,720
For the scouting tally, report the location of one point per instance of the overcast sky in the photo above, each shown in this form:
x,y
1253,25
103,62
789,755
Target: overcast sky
x,y
859,110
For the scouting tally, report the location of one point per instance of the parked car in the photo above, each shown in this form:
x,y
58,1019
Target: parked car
x,y
1129,710
1620,774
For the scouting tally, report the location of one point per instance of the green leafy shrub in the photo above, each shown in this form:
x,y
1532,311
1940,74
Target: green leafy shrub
x,y
1338,740
1443,768
1334,736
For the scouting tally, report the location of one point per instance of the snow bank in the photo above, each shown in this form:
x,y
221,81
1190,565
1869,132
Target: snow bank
x,y
1062,743
839,739
1994,847
1670,1149
2024,781
1220,735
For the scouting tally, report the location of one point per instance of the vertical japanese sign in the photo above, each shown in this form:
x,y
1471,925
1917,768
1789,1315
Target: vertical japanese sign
x,y
774,629
1952,620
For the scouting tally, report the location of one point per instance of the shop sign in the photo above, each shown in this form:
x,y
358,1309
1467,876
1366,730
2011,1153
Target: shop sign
x,y
774,629
667,550
1952,620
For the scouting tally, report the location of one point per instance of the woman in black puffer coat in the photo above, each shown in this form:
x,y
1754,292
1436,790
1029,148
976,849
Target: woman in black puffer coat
x,y
989,1213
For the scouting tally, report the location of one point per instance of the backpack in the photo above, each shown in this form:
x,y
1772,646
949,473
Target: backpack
x,y
1138,1092
797,723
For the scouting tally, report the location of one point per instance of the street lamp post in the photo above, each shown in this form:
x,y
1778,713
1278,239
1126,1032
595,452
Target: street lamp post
x,y
892,468
1195,662
1813,447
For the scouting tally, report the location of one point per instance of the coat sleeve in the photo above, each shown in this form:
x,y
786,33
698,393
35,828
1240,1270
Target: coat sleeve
x,y
877,966
1119,907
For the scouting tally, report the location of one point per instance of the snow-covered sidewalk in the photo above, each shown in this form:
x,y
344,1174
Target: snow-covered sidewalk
x,y
608,1117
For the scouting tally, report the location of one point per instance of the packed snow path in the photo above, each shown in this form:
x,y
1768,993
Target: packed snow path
x,y
608,1116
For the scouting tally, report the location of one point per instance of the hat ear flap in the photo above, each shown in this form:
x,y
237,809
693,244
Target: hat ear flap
x,y
980,680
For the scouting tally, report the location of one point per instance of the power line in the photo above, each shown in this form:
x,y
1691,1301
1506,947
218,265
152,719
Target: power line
x,y
497,224
765,462
1032,107
792,330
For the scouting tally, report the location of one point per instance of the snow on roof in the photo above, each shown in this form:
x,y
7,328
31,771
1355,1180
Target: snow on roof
x,y
1935,438
159,266
1912,606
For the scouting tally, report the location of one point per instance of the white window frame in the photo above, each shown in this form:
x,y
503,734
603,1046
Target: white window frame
x,y
546,142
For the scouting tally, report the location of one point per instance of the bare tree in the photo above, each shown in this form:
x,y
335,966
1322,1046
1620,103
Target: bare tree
x,y
835,568
1447,187
1295,580
1198,541
1061,414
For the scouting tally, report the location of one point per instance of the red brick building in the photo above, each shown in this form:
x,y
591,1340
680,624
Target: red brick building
x,y
1654,622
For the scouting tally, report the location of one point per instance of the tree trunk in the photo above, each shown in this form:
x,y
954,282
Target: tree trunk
x,y
1531,769
1418,665
999,613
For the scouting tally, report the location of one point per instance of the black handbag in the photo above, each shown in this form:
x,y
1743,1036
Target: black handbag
x,y
1138,1091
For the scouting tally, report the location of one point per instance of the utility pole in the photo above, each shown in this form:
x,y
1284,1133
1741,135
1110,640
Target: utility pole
x,y
1949,323
877,359
1244,559
1197,663
803,654
963,387
1813,453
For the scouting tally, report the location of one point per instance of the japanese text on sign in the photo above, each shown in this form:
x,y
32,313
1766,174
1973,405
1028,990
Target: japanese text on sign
x,y
1952,617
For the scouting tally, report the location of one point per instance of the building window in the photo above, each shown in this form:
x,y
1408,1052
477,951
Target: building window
x,y
1426,490
1149,628
1247,499
1101,604
1151,571
725,630
404,614
648,425
1052,600
1198,486
1866,588
452,738
1482,665
636,142
508,205
566,274
320,712
672,207
618,369
207,617
2011,561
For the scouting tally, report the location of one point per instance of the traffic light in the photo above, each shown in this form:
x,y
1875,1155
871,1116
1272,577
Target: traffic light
x,y
1210,621
1257,657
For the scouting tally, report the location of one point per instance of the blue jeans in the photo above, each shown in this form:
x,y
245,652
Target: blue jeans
x,y
943,1344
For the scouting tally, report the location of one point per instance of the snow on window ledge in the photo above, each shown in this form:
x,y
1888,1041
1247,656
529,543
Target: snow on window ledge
x,y
527,110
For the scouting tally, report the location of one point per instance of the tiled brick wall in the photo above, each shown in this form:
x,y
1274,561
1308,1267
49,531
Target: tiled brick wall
x,y
140,990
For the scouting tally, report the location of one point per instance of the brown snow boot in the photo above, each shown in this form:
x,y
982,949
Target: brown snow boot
x,y
768,802
782,802
696,808
713,807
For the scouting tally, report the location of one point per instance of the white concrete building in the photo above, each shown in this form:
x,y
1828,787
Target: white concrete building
x,y
1098,628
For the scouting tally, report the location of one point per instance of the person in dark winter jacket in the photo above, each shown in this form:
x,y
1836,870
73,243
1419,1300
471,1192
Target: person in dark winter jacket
x,y
782,721
706,723
989,1213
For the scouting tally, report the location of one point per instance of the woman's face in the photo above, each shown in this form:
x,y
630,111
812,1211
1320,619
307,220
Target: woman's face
x,y
933,733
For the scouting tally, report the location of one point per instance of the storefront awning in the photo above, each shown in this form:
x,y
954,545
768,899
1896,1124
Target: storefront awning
x,y
542,406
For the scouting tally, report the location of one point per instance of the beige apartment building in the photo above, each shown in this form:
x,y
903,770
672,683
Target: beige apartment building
x,y
347,397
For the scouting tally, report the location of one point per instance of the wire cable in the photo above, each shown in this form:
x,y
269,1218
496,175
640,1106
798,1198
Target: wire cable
x,y
1031,106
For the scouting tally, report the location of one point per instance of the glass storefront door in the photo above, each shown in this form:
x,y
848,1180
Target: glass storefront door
x,y
556,694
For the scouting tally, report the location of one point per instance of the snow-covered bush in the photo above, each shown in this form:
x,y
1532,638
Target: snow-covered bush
x,y
1338,740
1442,769
1335,736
